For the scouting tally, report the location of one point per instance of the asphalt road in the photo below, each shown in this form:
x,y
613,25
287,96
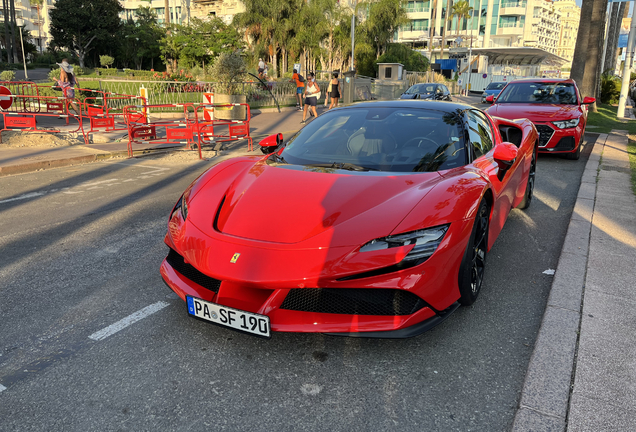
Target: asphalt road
x,y
80,249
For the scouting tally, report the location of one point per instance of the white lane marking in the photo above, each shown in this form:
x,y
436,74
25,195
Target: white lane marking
x,y
96,183
130,319
549,272
25,196
2,388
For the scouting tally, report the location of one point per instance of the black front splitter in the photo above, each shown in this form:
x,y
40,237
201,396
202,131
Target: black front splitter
x,y
414,330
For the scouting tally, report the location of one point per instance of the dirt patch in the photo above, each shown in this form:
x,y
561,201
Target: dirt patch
x,y
37,139
192,156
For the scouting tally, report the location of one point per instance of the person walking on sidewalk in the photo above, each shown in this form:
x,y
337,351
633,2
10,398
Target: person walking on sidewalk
x,y
312,93
336,90
261,68
300,89
68,82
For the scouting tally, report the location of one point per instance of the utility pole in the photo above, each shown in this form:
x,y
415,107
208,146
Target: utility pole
x,y
629,54
353,33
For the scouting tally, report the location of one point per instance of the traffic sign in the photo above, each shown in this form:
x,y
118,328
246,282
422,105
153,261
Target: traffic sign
x,y
6,98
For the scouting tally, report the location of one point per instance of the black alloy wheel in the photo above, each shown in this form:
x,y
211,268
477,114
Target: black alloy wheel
x,y
471,274
527,198
575,155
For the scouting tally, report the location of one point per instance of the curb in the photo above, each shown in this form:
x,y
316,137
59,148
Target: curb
x,y
545,395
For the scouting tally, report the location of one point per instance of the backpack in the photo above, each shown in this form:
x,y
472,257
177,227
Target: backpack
x,y
301,78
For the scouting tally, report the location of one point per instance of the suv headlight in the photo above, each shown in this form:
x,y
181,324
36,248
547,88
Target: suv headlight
x,y
567,124
426,241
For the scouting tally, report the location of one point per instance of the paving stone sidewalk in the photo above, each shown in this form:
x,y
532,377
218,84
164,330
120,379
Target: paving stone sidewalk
x,y
582,373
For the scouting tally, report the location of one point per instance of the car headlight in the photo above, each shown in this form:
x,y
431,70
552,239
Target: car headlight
x,y
426,241
566,124
181,206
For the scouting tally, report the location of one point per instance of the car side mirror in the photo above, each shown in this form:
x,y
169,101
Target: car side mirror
x,y
271,143
505,155
490,98
588,100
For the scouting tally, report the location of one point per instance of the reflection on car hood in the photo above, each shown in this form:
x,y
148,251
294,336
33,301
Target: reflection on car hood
x,y
294,205
535,112
416,96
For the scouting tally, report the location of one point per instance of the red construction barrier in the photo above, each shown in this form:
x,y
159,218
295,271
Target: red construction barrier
x,y
24,105
169,131
236,129
191,128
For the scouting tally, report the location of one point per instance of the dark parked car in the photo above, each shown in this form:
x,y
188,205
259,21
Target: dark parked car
x,y
494,88
429,91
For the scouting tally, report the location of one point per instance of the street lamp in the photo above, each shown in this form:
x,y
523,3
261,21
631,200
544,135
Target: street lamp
x,y
353,32
20,24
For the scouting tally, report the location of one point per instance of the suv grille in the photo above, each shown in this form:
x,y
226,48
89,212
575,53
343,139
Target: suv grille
x,y
545,133
176,262
353,301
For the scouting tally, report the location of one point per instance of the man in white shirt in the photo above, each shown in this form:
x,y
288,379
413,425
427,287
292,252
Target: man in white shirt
x,y
261,68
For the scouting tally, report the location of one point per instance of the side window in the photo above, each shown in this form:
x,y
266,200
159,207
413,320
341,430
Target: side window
x,y
480,133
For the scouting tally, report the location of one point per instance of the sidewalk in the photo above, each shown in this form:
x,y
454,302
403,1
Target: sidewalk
x,y
582,373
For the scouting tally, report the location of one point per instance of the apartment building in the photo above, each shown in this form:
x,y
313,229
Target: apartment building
x,y
31,18
179,10
494,23
570,18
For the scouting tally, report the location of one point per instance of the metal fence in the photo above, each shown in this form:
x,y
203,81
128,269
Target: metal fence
x,y
259,95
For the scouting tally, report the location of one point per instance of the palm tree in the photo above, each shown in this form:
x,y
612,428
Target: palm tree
x,y
38,4
589,45
461,10
445,20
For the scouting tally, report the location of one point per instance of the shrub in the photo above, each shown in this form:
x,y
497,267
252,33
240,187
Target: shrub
x,y
197,72
106,60
106,72
610,89
54,75
7,75
229,71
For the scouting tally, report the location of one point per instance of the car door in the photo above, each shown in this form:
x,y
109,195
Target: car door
x,y
483,140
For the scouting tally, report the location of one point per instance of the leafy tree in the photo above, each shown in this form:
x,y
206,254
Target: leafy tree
x,y
140,40
106,60
79,24
383,19
398,53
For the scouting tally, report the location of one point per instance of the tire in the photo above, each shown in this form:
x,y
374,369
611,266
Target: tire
x,y
527,197
575,155
471,273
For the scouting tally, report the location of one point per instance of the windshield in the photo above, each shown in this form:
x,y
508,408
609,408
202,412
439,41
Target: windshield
x,y
422,89
496,86
538,92
381,139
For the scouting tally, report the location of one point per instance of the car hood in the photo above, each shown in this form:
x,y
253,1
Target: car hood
x,y
492,92
289,204
535,112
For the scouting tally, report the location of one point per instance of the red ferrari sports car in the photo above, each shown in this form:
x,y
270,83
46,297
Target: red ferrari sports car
x,y
553,105
373,220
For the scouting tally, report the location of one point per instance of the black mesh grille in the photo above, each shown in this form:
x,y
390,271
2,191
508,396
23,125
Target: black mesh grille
x,y
353,301
545,133
565,143
176,262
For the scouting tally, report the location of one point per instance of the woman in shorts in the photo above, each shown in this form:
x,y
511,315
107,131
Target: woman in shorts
x,y
312,93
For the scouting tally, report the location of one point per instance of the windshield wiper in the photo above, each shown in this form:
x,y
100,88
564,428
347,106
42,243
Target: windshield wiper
x,y
279,158
342,165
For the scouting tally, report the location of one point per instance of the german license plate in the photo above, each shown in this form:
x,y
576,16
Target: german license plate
x,y
229,317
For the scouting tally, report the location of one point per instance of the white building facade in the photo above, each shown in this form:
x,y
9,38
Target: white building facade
x,y
494,23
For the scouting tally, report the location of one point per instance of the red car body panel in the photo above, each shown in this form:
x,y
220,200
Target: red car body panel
x,y
543,115
300,228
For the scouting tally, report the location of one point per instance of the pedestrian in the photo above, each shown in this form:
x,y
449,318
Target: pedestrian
x,y
68,82
300,89
312,94
336,90
261,68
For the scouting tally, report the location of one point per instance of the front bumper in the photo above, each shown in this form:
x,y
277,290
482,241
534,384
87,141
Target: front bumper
x,y
554,140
